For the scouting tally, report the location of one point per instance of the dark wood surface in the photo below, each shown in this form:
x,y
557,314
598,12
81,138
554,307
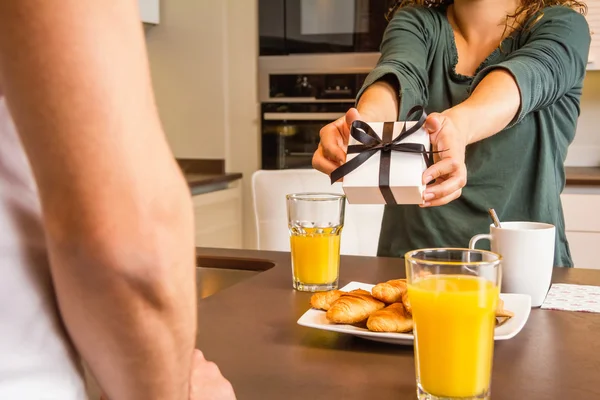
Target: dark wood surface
x,y
583,176
201,166
201,173
250,331
206,175
579,176
196,181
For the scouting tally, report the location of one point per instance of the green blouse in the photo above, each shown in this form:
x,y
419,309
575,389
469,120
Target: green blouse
x,y
519,171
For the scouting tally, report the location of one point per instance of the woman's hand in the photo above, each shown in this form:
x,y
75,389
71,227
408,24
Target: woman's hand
x,y
379,102
449,170
331,152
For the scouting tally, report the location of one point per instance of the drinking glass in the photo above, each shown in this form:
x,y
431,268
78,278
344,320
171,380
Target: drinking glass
x,y
315,222
453,294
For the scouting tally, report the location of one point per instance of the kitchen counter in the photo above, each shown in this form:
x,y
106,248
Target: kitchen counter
x,y
206,183
203,182
580,176
583,176
205,176
249,329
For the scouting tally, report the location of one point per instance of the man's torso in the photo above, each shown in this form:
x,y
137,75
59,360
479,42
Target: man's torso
x,y
38,360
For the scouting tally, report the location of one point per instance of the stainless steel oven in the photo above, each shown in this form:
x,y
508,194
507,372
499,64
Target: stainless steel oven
x,y
297,106
321,26
290,134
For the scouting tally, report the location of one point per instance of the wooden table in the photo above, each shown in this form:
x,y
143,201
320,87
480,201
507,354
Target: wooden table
x,y
250,331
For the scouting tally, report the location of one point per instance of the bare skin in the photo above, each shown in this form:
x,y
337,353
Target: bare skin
x,y
478,29
116,209
206,381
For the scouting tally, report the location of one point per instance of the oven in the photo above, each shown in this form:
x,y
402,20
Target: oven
x,y
321,26
297,107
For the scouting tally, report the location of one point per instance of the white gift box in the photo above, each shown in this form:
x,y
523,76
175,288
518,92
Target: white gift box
x,y
362,185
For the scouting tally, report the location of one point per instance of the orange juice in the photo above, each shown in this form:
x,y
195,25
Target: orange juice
x,y
316,255
454,333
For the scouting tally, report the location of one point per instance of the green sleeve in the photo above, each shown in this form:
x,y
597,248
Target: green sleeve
x,y
404,51
551,61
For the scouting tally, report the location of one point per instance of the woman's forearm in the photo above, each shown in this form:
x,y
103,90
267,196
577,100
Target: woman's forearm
x,y
491,107
380,102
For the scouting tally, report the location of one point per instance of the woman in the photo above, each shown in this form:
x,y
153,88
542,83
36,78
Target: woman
x,y
501,81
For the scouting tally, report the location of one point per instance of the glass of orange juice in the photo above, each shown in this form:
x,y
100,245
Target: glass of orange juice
x,y
453,294
315,222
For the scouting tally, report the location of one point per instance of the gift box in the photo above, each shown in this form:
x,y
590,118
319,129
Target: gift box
x,y
386,161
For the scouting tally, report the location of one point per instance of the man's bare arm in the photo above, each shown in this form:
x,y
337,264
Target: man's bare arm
x,y
116,209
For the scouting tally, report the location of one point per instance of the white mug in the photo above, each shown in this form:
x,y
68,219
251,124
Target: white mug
x,y
527,250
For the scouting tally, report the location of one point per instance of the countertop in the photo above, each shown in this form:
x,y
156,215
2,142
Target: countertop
x,y
210,180
204,183
206,175
249,329
583,176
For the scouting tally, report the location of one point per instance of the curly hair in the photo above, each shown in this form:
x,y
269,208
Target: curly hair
x,y
524,12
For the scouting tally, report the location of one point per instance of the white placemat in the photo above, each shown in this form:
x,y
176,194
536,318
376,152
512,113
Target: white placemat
x,y
568,297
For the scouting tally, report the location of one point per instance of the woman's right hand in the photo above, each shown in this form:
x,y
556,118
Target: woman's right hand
x,y
334,143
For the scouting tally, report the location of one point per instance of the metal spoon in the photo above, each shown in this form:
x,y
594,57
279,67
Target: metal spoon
x,y
496,221
494,218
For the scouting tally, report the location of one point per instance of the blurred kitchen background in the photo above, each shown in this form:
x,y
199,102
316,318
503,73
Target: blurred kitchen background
x,y
244,85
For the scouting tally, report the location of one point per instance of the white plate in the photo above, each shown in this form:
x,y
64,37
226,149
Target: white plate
x,y
517,303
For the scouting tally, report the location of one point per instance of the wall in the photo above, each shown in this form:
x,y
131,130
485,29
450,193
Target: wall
x,y
242,144
203,57
187,56
585,149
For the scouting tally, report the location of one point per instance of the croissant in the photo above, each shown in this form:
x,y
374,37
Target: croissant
x,y
357,291
390,291
502,315
393,318
324,300
500,305
406,302
501,311
352,308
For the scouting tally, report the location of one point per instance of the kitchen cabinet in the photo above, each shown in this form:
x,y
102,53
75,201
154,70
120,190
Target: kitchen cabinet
x,y
593,18
218,217
582,224
150,11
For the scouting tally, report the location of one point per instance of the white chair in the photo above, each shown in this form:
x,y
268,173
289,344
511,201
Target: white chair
x,y
362,225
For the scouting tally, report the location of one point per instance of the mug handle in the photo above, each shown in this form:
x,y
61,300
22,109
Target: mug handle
x,y
476,238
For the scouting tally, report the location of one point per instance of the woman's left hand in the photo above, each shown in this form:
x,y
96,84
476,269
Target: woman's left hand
x,y
449,170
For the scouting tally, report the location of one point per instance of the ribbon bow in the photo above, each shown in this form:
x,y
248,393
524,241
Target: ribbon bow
x,y
371,144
